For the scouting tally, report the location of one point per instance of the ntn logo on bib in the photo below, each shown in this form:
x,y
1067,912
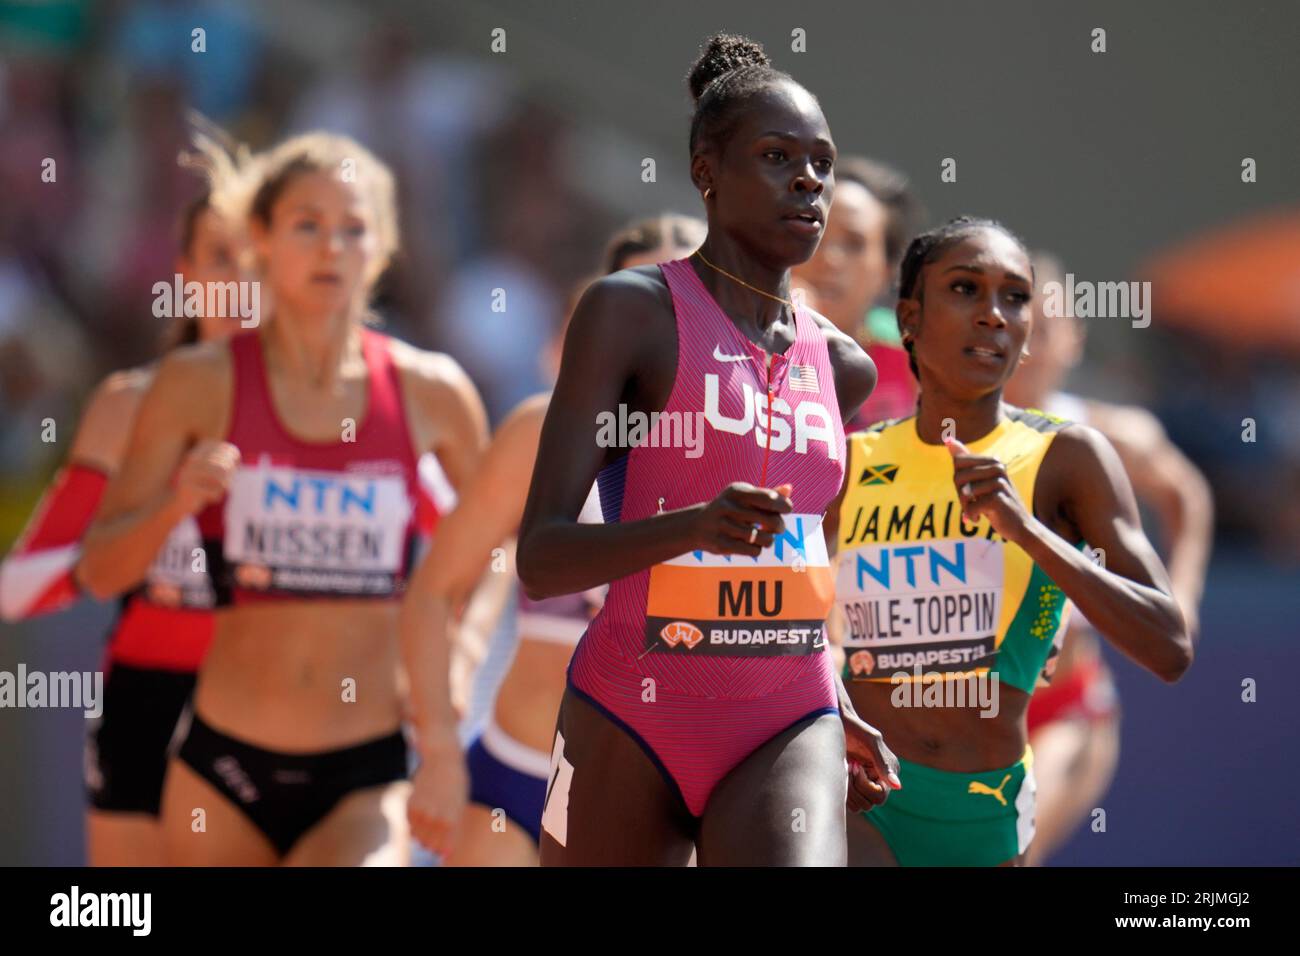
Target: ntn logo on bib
x,y
735,605
309,522
935,604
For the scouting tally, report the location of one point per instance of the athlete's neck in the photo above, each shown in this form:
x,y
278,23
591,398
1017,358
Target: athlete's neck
x,y
734,298
939,415
312,348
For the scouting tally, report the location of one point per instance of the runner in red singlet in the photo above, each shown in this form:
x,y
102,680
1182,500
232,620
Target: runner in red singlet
x,y
702,712
299,447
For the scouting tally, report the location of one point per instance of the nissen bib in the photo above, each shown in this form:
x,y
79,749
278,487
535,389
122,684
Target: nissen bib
x,y
922,591
298,529
312,520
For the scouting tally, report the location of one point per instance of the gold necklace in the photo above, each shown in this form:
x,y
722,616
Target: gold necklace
x,y
769,295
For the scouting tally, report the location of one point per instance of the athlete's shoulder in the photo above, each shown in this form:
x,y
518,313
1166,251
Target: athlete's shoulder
x,y
516,439
641,287
1086,476
185,373
835,337
1081,453
192,387
439,387
204,362
888,438
623,313
424,366
108,416
119,394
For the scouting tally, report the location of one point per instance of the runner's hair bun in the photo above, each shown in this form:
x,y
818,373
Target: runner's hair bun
x,y
724,53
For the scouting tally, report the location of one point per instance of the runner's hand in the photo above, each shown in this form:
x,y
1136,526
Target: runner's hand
x,y
439,793
726,525
205,474
985,490
873,768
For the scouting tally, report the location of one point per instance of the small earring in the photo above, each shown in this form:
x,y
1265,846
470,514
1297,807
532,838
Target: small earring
x,y
1024,355
707,192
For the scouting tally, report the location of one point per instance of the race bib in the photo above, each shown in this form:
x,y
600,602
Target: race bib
x,y
178,576
292,529
933,605
735,606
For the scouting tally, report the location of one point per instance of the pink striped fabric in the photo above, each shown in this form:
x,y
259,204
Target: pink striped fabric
x,y
708,712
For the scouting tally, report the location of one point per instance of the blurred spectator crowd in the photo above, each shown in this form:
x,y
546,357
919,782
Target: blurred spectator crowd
x,y
490,198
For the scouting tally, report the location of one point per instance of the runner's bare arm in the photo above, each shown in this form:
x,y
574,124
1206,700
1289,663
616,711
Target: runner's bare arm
x,y
453,423
518,435
487,513
472,631
1129,599
105,427
39,575
450,419
183,411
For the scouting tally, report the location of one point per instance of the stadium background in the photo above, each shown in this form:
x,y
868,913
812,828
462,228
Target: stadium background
x,y
514,166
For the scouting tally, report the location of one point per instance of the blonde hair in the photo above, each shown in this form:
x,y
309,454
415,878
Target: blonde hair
x,y
245,188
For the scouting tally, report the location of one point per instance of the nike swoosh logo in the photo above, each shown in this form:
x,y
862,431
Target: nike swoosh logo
x,y
717,354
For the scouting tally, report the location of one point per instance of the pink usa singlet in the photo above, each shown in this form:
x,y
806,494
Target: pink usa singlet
x,y
704,658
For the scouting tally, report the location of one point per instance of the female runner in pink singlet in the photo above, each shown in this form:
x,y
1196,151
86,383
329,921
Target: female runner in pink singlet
x,y
702,712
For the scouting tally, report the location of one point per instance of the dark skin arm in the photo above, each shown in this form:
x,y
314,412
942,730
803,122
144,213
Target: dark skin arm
x,y
1085,493
871,763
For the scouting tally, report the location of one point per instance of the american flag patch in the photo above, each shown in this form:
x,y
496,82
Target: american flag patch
x,y
803,378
